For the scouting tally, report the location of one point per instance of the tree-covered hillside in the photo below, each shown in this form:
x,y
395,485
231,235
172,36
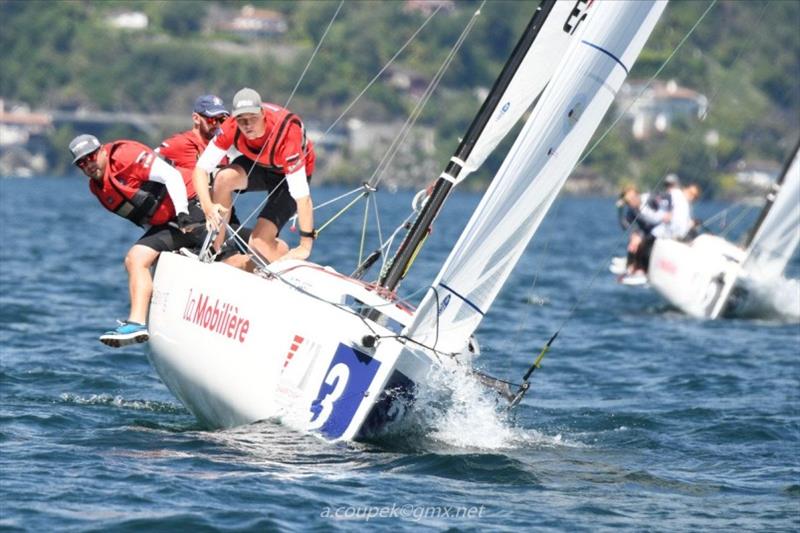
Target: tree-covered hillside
x,y
744,56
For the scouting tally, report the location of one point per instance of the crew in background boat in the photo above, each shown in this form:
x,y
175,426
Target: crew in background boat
x,y
679,222
678,225
644,212
276,158
130,180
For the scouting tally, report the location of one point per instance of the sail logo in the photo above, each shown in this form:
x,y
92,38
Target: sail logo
x,y
444,304
577,15
221,318
503,110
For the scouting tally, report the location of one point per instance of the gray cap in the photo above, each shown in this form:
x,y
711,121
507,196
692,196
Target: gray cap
x,y
246,101
83,145
672,179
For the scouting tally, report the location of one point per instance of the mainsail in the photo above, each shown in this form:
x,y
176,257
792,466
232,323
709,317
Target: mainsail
x,y
523,78
568,112
776,237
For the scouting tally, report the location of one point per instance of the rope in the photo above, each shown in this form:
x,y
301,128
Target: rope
x,y
314,54
378,75
412,118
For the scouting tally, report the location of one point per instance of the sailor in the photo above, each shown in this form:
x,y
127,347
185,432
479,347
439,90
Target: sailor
x,y
276,157
680,222
645,212
184,148
130,180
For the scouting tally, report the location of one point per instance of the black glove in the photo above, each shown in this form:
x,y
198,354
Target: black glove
x,y
184,221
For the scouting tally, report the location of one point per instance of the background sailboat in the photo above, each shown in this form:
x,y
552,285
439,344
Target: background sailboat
x,y
711,277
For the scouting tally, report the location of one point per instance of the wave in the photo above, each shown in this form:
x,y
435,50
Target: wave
x,y
119,401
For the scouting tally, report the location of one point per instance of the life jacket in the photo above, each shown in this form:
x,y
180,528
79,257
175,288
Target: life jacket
x,y
126,189
281,118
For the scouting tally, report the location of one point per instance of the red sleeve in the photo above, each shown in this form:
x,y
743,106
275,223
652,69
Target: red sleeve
x,y
181,149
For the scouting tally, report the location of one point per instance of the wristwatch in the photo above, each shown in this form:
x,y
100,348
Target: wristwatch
x,y
312,234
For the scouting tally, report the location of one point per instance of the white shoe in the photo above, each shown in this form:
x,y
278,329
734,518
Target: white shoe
x,y
635,279
618,265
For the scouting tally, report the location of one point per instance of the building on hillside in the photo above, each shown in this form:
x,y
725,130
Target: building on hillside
x,y
652,110
22,150
128,20
427,7
756,174
253,22
407,81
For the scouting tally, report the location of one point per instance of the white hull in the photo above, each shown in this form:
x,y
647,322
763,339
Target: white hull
x,y
705,279
236,348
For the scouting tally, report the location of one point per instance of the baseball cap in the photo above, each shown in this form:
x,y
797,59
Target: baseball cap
x,y
83,145
671,179
209,105
246,101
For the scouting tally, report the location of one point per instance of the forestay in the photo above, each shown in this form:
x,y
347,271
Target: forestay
x,y
562,122
777,237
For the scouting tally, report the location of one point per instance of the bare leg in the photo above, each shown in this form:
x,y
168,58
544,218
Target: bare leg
x,y
140,283
265,241
227,180
239,261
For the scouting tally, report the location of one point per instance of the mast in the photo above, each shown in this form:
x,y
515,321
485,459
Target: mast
x,y
421,226
772,195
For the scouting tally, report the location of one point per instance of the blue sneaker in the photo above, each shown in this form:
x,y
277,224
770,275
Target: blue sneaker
x,y
126,333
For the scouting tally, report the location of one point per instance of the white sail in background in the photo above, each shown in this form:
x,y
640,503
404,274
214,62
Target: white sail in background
x,y
561,124
531,77
779,234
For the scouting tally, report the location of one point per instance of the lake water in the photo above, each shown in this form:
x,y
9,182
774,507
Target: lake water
x,y
640,417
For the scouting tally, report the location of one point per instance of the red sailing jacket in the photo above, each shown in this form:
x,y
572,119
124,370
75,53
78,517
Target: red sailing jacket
x,y
182,149
285,147
127,189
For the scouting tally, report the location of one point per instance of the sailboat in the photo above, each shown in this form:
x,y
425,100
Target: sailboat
x,y
711,277
327,353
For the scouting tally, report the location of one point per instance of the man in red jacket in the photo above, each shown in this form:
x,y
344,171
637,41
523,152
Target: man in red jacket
x,y
183,149
276,157
131,181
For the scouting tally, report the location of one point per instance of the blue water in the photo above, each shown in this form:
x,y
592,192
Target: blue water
x,y
639,418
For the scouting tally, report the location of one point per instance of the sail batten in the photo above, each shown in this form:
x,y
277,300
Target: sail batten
x,y
560,126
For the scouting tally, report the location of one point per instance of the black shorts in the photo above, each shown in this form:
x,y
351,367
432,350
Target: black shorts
x,y
280,206
167,238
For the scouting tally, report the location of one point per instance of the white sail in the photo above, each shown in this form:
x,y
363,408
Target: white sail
x,y
779,234
530,79
561,124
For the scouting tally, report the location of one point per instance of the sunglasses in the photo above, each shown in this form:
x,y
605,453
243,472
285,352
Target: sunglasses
x,y
214,121
83,162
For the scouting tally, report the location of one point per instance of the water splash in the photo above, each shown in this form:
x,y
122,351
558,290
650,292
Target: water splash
x,y
769,298
453,409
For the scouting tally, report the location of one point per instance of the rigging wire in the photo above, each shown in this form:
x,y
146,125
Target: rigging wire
x,y
381,71
314,54
380,170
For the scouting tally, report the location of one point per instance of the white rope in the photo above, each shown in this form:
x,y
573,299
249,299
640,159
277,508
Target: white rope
x,y
314,54
412,118
378,75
